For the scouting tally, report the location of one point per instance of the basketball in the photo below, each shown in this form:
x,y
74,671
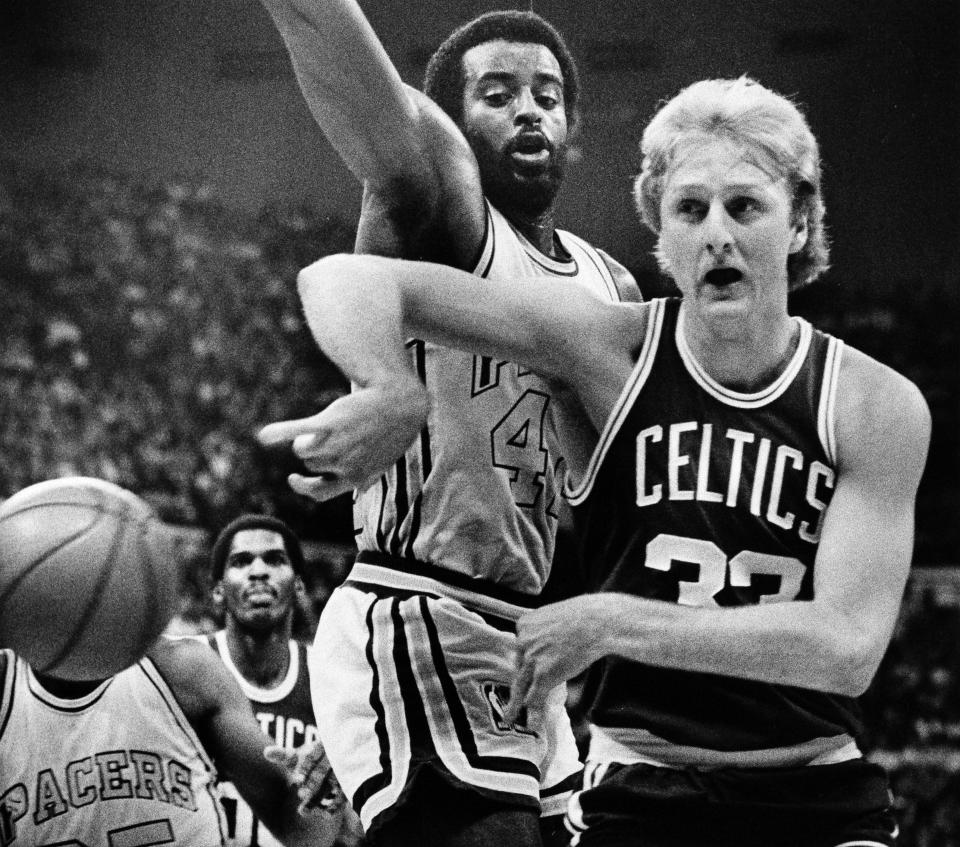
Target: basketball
x,y
88,579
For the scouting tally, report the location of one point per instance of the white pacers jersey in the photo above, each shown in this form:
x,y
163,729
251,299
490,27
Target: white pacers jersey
x,y
118,767
477,493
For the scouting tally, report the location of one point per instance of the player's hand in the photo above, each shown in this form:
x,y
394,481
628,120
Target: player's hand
x,y
554,643
309,771
353,440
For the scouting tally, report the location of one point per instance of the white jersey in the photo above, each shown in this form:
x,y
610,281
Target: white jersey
x,y
478,492
94,772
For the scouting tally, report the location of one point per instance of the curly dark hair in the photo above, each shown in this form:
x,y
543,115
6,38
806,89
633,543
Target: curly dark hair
x,y
218,555
444,79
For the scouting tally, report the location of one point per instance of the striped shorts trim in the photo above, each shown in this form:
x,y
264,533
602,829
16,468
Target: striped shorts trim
x,y
420,680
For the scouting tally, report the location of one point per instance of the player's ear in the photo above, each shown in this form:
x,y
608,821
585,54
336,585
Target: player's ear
x,y
300,589
800,234
216,594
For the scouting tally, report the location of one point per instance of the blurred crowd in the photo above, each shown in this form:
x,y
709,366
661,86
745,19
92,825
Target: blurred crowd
x,y
913,713
148,331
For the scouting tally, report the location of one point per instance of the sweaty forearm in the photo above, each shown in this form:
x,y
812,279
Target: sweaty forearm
x,y
793,643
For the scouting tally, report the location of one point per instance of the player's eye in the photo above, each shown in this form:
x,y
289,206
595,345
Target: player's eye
x,y
688,207
275,557
240,560
496,99
742,207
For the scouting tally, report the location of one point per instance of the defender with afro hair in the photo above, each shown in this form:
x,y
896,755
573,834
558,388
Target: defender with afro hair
x,y
445,77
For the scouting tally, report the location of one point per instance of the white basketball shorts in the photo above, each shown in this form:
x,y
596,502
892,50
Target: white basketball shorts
x,y
409,672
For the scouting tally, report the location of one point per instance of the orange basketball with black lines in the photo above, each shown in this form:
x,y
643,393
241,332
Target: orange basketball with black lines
x,y
88,577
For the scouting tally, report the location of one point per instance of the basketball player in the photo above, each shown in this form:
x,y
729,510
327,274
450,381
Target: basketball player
x,y
133,759
746,514
257,566
456,537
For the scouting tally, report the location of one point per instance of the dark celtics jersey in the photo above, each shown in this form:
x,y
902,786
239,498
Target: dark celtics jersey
x,y
704,496
285,714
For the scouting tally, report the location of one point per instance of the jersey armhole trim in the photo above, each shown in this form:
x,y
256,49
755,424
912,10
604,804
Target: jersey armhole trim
x,y
156,678
628,395
487,245
827,412
596,259
7,689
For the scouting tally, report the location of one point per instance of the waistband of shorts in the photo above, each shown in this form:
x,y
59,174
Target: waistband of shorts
x,y
421,578
631,746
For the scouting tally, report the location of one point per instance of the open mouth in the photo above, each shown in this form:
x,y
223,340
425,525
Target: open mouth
x,y
723,276
260,598
530,149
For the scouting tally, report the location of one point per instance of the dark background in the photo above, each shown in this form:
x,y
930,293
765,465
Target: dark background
x,y
199,87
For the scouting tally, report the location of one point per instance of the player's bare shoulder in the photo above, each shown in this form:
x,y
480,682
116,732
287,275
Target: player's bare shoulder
x,y
192,670
882,419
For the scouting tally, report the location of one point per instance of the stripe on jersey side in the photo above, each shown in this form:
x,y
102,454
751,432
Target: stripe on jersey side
x,y
404,482
159,682
8,691
426,461
400,504
452,732
384,493
739,399
826,414
488,246
628,395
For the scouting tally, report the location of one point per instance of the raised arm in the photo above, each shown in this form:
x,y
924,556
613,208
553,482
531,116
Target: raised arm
x,y
420,177
361,311
352,88
834,642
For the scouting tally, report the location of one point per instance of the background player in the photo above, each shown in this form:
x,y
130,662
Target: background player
x,y
133,759
258,569
456,538
746,515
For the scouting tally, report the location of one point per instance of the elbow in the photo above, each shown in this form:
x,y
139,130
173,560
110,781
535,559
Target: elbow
x,y
854,658
323,272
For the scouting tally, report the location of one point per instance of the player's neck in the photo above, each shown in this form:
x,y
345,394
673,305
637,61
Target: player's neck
x,y
66,689
748,361
262,656
539,230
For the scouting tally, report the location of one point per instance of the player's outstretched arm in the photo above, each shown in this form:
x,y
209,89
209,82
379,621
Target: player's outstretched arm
x,y
351,86
834,642
224,721
362,309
